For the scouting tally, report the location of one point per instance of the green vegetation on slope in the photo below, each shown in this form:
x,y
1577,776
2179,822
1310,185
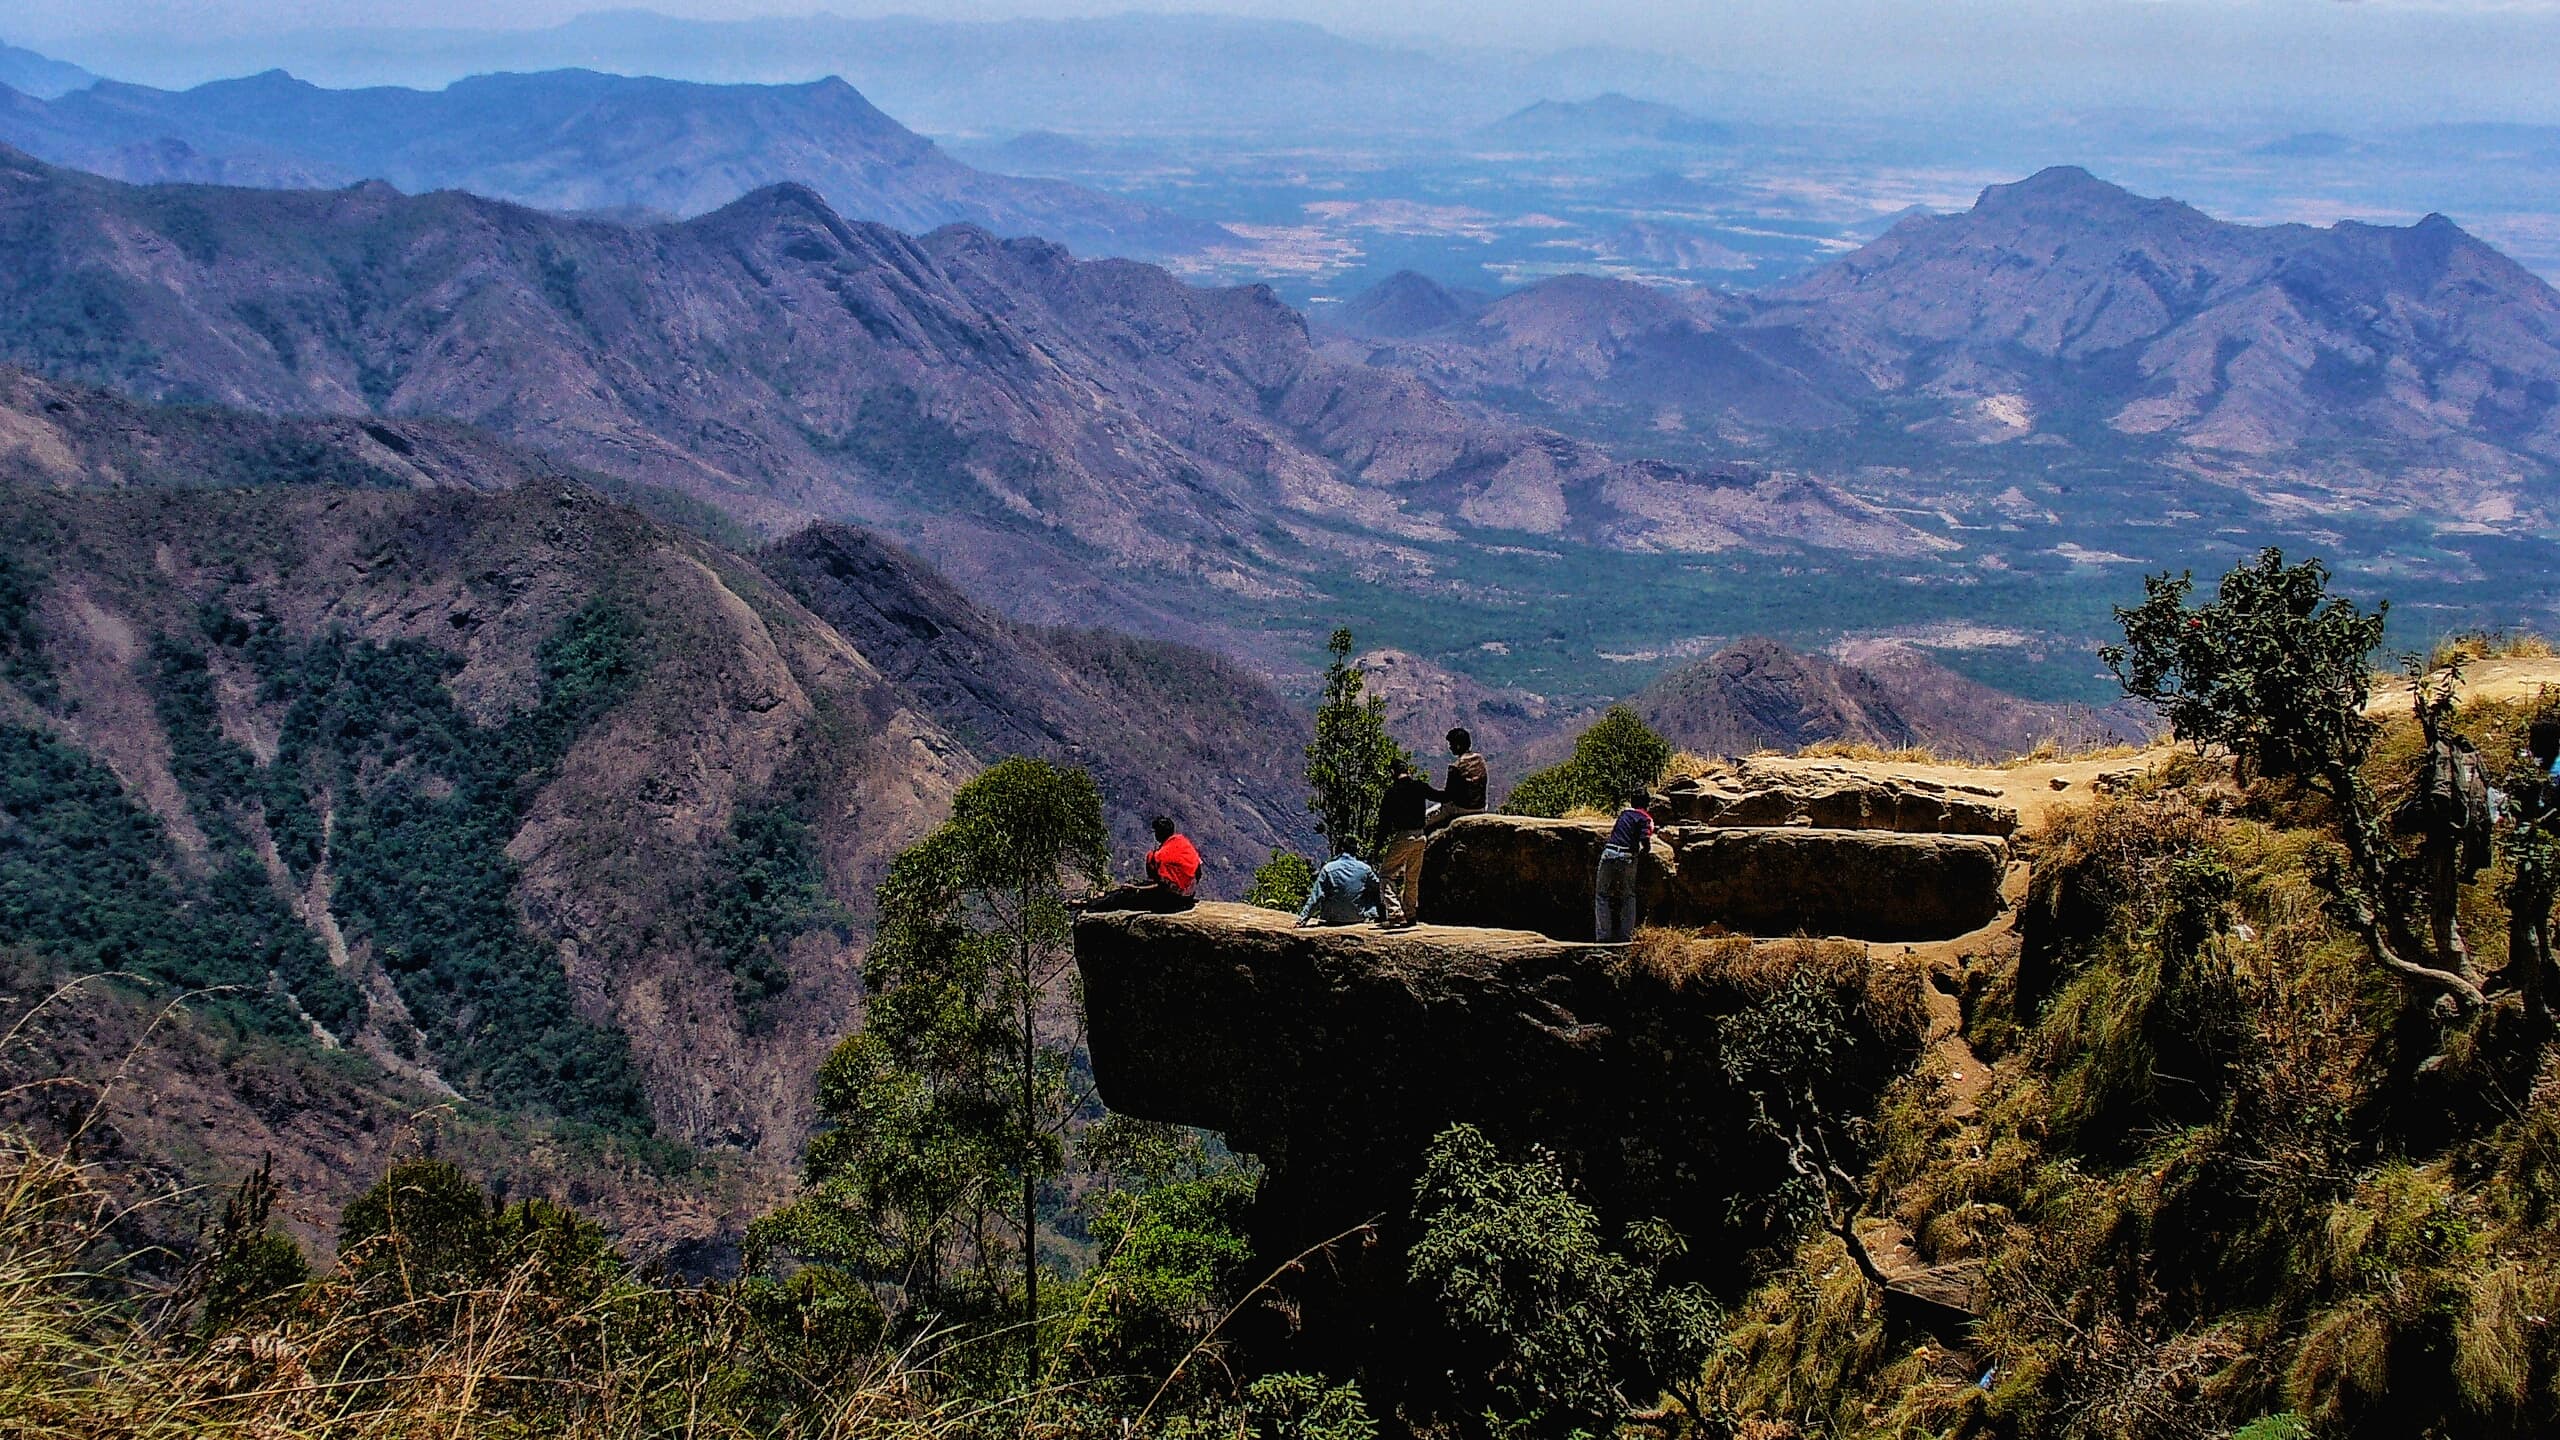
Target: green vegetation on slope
x,y
90,877
231,794
425,805
766,886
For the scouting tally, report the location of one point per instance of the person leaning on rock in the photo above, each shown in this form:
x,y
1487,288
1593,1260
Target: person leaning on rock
x,y
1463,793
1346,892
1173,877
1617,886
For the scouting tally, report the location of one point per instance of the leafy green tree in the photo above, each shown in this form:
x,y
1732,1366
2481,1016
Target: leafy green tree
x,y
1565,1335
1281,882
949,1108
2278,671
1352,757
1170,1255
1618,754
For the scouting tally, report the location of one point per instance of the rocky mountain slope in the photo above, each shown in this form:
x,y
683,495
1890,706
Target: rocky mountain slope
x,y
2162,320
574,140
1066,439
506,791
1164,728
2408,365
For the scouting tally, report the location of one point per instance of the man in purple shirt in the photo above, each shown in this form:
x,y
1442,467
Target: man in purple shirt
x,y
1617,893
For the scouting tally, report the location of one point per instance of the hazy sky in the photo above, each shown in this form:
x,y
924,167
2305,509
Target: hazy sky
x,y
1685,24
2465,58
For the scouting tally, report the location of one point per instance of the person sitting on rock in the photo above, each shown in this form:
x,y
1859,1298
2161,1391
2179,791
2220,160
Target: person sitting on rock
x,y
1463,793
1346,892
1173,877
1402,822
1617,888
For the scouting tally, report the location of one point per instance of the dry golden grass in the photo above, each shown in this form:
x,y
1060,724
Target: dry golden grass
x,y
1678,960
2049,752
91,1353
2469,646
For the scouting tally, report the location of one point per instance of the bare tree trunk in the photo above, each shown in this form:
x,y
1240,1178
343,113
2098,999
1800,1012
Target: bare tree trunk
x,y
2385,929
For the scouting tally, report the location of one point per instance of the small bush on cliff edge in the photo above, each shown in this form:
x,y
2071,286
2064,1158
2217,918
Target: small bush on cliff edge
x,y
1281,882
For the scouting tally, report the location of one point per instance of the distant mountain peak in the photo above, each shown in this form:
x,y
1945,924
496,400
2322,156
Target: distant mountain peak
x,y
29,73
1607,119
2056,185
1406,304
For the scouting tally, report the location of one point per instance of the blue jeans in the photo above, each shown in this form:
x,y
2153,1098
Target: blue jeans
x,y
1617,906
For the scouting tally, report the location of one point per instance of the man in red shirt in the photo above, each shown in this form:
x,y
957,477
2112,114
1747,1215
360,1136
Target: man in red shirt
x,y
1173,877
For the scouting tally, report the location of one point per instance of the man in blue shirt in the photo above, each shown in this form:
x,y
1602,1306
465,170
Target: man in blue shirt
x,y
1346,892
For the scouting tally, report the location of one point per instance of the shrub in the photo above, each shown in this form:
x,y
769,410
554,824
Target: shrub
x,y
1281,882
1617,755
1290,1406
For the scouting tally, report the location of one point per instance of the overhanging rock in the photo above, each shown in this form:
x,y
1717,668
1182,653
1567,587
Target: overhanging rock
x,y
1335,1055
1513,873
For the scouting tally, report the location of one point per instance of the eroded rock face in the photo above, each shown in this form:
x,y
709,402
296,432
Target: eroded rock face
x,y
1335,1055
1511,872
1752,795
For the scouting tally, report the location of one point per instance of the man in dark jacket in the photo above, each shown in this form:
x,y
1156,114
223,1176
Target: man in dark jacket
x,y
1402,817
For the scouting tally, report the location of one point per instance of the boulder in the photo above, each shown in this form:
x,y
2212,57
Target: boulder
x,y
1509,872
1514,873
1335,1055
1836,798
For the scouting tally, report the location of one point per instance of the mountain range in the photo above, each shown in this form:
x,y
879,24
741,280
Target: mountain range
x,y
2399,367
1070,440
574,140
1166,74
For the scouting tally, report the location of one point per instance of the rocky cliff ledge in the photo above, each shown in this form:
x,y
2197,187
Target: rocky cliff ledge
x,y
1836,796
1865,884
1335,1055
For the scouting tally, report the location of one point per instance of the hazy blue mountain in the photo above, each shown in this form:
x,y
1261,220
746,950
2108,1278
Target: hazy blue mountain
x,y
1605,121
574,140
29,73
1405,305
1186,75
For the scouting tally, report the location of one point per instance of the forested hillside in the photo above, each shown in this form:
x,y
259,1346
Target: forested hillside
x,y
417,750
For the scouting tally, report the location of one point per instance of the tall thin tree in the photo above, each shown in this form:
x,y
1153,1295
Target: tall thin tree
x,y
1352,757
